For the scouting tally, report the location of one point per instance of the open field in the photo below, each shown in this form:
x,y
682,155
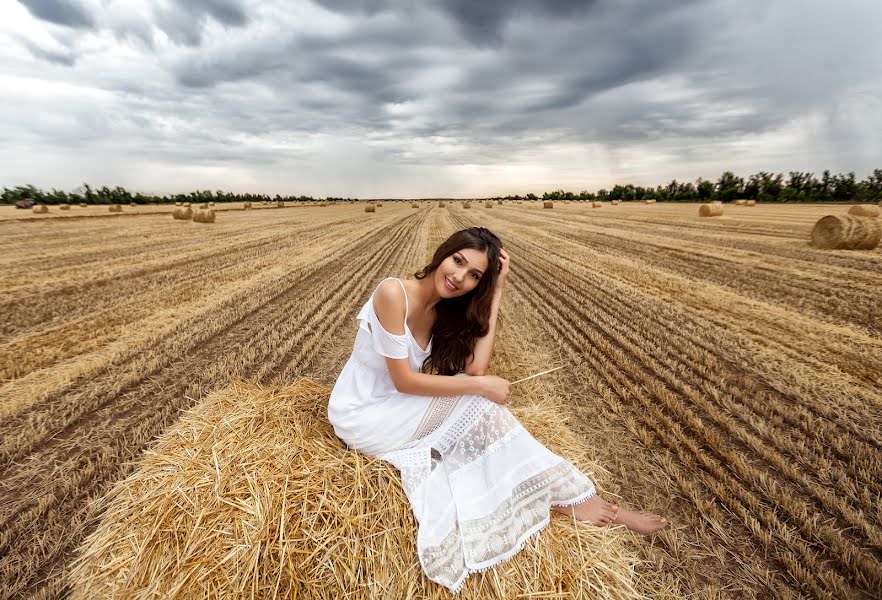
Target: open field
x,y
726,374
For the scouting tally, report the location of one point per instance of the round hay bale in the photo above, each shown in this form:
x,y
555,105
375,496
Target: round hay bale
x,y
280,204
83,205
41,208
488,205
188,204
204,205
846,232
710,209
750,203
182,213
466,204
442,204
250,494
64,207
179,203
247,206
379,204
547,204
499,202
740,202
132,204
864,210
115,208
596,205
616,202
370,208
203,215
414,205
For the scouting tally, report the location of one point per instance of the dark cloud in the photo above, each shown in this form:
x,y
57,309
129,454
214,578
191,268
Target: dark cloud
x,y
63,56
184,20
61,12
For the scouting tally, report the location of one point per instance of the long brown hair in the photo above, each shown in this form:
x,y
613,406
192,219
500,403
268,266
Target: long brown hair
x,y
460,321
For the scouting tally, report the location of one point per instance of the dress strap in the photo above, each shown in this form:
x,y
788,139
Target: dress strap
x,y
405,298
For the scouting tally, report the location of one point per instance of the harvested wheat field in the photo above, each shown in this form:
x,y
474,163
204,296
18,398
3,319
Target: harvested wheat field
x,y
722,372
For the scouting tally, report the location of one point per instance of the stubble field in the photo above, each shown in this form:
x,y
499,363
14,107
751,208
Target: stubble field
x,y
726,373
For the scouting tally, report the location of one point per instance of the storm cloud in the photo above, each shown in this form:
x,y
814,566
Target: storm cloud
x,y
454,98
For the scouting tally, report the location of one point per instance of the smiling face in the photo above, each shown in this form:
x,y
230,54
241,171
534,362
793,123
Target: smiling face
x,y
464,269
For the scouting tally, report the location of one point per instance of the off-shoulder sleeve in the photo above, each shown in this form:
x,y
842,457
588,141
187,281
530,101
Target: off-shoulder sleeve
x,y
387,344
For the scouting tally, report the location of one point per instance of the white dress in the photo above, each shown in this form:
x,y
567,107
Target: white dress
x,y
478,483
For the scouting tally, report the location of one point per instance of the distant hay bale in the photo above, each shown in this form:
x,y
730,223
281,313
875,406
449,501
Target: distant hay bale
x,y
41,208
379,205
864,210
133,204
596,205
616,202
442,204
64,207
370,208
488,205
740,202
499,202
188,204
466,204
210,204
83,205
115,208
710,209
247,206
182,213
414,205
750,203
251,495
203,215
547,204
280,204
204,205
846,232
179,203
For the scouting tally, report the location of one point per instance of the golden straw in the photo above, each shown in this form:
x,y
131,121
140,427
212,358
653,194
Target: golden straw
x,y
538,374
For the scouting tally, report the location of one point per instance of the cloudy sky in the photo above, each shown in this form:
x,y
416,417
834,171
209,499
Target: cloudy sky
x,y
397,98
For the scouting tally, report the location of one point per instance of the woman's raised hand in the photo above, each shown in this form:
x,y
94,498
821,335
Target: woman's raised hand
x,y
503,269
495,388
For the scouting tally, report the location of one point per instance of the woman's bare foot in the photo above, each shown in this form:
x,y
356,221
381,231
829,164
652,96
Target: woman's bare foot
x,y
642,521
597,511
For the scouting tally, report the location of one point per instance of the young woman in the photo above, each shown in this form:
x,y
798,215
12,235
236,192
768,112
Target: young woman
x,y
415,393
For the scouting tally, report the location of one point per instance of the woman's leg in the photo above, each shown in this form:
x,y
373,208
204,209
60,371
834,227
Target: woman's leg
x,y
598,511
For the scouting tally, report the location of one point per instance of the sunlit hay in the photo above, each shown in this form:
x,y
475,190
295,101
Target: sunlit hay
x,y
83,205
179,203
596,205
280,204
711,209
115,208
370,208
864,210
547,204
615,202
846,232
488,205
41,208
750,203
414,205
64,207
250,494
133,204
466,204
442,204
649,201
379,205
247,205
203,215
182,213
740,202
188,204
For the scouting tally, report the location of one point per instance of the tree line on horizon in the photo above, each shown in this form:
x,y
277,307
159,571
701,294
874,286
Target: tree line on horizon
x,y
762,186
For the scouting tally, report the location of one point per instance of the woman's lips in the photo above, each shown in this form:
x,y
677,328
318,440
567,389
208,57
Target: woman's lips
x,y
449,285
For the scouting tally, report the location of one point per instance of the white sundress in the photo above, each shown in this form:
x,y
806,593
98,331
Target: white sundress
x,y
478,483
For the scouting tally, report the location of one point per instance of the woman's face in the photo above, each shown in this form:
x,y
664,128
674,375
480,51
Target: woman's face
x,y
463,270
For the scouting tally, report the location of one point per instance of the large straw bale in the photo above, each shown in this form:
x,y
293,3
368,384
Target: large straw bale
x,y
846,232
466,204
488,205
750,203
740,202
370,208
547,204
414,205
179,203
499,202
615,202
115,208
442,204
250,494
379,205
203,215
596,205
864,210
64,207
41,208
711,209
280,204
182,213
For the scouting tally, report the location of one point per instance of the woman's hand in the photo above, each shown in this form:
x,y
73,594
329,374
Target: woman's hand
x,y
495,388
503,270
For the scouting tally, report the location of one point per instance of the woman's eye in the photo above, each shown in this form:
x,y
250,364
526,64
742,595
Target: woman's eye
x,y
475,275
456,260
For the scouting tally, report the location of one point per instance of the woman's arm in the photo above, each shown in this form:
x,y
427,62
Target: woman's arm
x,y
479,360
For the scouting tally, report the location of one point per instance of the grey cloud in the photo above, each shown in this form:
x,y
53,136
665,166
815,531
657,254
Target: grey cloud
x,y
184,20
64,56
69,13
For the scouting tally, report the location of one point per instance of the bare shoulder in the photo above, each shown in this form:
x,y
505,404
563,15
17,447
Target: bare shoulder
x,y
389,304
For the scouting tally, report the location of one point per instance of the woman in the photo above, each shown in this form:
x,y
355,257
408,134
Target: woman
x,y
415,393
